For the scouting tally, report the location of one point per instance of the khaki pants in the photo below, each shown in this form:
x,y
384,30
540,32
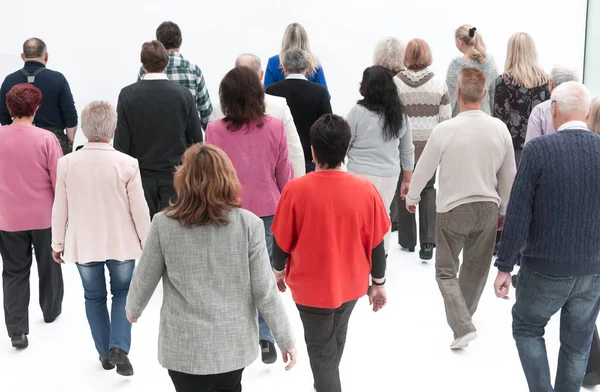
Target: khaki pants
x,y
470,228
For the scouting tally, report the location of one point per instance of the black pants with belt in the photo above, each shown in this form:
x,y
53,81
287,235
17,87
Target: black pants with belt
x,y
226,382
16,252
158,190
325,334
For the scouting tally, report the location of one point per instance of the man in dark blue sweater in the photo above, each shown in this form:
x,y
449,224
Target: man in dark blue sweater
x,y
553,220
57,111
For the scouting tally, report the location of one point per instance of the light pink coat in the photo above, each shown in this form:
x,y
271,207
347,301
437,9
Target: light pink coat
x,y
100,212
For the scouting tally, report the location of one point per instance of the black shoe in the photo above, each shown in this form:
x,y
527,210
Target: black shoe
x,y
119,358
426,252
513,281
269,353
411,250
106,365
50,320
591,379
19,340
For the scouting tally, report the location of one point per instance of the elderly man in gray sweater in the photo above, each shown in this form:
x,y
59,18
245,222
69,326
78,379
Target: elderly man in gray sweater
x,y
476,172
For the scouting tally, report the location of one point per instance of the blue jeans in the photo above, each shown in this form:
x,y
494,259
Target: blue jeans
x,y
538,298
113,332
264,332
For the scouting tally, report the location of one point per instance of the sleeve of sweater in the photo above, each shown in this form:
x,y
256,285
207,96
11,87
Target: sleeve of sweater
x,y
520,210
452,83
406,147
445,110
264,288
491,75
426,167
60,210
148,272
122,139
506,174
294,144
67,105
283,169
320,78
193,128
5,118
502,101
137,205
534,124
352,119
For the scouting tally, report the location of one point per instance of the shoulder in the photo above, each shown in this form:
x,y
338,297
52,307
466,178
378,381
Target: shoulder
x,y
216,125
455,64
505,79
244,217
273,61
273,101
273,122
316,87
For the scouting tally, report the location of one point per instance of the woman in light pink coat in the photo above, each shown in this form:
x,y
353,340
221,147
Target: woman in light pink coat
x,y
100,218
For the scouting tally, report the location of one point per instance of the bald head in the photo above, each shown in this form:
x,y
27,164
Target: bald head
x,y
571,101
249,60
34,48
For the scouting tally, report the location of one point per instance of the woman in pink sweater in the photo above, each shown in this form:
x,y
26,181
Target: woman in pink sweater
x,y
28,158
257,146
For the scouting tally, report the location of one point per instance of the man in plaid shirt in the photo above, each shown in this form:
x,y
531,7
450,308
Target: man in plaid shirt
x,y
182,71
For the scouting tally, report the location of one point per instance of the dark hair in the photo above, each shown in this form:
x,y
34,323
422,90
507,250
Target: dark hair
x,y
381,96
207,187
154,57
34,48
242,98
330,138
23,99
169,34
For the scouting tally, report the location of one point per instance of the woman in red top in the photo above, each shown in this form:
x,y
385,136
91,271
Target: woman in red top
x,y
328,230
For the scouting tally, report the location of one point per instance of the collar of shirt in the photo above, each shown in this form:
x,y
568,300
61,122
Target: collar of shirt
x,y
34,64
573,125
296,76
155,76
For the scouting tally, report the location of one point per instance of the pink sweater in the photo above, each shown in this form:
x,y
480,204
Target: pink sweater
x,y
260,157
28,157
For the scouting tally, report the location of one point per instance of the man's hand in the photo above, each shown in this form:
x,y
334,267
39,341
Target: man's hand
x,y
412,209
500,222
57,256
280,278
404,189
289,357
502,284
377,297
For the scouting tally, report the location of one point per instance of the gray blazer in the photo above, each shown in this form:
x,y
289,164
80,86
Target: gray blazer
x,y
214,278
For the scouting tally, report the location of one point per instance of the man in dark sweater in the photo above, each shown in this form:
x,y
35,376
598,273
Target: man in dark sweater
x,y
552,220
57,110
157,121
308,101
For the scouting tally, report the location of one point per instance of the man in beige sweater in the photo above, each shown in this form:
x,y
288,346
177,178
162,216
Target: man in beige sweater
x,y
476,171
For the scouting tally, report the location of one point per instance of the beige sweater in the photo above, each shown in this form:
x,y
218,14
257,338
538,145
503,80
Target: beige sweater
x,y
476,162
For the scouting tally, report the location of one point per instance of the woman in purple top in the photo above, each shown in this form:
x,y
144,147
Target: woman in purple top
x,y
257,146
28,159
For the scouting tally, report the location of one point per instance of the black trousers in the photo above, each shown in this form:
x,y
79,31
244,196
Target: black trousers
x,y
325,334
594,359
15,249
158,190
225,382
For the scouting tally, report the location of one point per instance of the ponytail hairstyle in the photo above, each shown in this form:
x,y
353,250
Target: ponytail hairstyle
x,y
522,62
473,41
381,96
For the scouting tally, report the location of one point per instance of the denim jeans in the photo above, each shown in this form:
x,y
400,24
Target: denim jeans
x,y
264,332
114,331
538,298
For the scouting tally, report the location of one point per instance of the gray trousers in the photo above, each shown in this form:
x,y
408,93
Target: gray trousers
x,y
470,228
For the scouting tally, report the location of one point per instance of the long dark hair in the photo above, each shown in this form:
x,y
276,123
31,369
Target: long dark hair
x,y
242,98
381,96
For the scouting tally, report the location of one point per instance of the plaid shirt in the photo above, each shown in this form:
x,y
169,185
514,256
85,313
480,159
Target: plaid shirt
x,y
189,76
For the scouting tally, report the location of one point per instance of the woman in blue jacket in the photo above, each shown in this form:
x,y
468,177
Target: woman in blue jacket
x,y
294,37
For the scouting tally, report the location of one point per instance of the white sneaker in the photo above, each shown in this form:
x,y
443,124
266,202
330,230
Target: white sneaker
x,y
463,341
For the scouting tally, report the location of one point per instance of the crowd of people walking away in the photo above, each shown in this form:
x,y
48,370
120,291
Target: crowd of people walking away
x,y
231,205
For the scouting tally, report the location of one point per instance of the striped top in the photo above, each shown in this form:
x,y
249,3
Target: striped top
x,y
426,100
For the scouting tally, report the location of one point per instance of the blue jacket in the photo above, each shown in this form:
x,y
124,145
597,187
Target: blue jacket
x,y
275,74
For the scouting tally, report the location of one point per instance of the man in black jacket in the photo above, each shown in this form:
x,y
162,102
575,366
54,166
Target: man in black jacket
x,y
157,121
308,101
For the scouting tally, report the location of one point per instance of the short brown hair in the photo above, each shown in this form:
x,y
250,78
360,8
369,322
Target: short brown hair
x,y
471,84
207,187
154,56
242,98
417,54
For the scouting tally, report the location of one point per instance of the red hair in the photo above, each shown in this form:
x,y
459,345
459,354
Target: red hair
x,y
23,99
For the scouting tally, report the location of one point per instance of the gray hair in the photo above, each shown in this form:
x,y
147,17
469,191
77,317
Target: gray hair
x,y
572,97
249,60
99,121
296,61
389,53
34,48
561,74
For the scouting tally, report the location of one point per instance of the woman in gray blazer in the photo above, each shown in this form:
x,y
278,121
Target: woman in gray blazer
x,y
212,258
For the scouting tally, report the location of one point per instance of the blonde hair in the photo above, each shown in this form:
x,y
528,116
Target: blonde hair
x,y
593,123
522,62
417,55
295,36
389,53
474,42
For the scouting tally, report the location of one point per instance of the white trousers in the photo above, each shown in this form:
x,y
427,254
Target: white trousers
x,y
386,187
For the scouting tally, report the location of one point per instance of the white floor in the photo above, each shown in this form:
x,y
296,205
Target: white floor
x,y
405,347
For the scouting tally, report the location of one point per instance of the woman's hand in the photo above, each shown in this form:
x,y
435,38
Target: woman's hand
x,y
57,256
404,186
377,297
280,278
131,320
289,357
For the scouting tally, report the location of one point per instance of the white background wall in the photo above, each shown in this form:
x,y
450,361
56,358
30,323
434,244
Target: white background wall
x,y
96,44
592,57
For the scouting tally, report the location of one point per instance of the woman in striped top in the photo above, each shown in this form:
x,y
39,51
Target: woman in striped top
x,y
427,103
